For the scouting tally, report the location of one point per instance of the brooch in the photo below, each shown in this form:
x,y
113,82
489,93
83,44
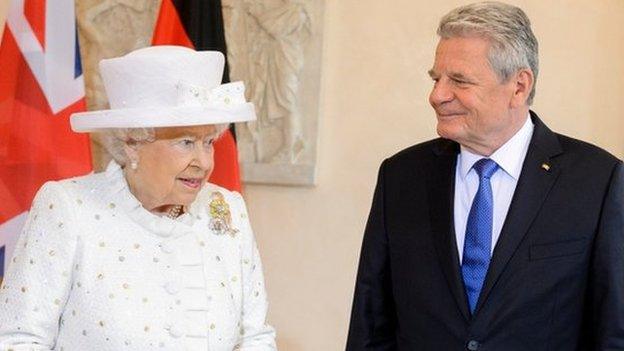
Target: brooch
x,y
220,215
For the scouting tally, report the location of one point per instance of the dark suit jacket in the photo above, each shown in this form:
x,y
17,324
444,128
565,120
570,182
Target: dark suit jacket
x,y
556,277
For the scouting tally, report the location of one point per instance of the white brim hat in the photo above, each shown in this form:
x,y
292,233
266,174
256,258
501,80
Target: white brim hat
x,y
166,86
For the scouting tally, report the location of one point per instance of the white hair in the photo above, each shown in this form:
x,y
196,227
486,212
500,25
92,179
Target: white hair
x,y
507,27
114,140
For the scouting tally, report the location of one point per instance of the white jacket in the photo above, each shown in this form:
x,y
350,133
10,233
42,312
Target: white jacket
x,y
94,270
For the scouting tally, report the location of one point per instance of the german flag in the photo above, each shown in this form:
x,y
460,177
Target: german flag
x,y
198,24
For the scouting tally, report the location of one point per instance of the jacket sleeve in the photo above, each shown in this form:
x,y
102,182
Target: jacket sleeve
x,y
255,333
37,282
606,279
373,316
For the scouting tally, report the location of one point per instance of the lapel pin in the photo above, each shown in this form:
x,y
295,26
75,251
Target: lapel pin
x,y
546,166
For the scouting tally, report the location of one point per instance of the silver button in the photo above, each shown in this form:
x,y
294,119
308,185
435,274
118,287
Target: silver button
x,y
472,345
166,248
175,331
172,287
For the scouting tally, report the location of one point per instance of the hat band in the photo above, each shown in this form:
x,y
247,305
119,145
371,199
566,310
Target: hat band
x,y
224,95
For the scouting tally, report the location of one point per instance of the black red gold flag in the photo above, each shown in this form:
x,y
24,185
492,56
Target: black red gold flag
x,y
198,24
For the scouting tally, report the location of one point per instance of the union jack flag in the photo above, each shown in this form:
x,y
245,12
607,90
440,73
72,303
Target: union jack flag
x,y
40,86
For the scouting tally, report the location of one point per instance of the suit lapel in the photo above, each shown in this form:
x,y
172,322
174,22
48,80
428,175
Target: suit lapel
x,y
532,189
441,187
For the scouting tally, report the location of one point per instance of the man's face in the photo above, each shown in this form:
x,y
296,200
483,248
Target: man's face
x,y
472,105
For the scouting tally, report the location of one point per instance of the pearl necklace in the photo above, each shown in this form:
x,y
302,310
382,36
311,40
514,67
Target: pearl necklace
x,y
174,211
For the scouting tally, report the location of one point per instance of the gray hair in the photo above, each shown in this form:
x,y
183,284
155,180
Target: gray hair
x,y
507,27
114,140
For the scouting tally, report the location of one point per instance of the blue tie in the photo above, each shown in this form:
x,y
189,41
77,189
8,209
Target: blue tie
x,y
478,240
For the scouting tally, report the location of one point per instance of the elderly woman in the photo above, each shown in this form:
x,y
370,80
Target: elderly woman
x,y
146,255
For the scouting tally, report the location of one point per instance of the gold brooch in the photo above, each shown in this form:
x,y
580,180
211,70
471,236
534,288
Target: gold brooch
x,y
220,215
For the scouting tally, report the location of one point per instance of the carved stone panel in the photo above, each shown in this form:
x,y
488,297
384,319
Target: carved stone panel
x,y
274,46
110,28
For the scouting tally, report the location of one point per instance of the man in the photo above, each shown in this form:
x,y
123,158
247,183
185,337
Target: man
x,y
501,235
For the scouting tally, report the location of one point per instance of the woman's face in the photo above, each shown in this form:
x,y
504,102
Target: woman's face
x,y
172,169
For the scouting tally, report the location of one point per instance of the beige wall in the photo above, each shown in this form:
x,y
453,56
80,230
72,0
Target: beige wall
x,y
4,4
374,103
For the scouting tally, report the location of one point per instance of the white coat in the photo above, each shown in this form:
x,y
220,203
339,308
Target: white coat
x,y
94,270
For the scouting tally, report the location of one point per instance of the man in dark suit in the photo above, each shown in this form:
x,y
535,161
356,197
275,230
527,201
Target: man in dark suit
x,y
501,235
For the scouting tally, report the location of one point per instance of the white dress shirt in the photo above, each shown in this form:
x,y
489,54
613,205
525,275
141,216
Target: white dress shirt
x,y
509,158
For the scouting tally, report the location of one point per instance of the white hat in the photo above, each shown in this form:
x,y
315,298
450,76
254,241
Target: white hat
x,y
166,86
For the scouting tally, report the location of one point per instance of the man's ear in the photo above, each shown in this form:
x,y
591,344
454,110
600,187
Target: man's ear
x,y
523,84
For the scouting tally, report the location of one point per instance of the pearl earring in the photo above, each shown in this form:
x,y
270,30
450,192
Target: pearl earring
x,y
134,164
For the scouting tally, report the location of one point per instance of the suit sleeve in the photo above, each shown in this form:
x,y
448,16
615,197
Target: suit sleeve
x,y
37,283
373,316
606,284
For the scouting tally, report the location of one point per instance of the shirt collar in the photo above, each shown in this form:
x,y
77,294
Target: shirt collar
x,y
509,157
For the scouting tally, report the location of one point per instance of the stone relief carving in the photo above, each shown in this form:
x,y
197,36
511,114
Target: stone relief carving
x,y
269,49
274,52
106,29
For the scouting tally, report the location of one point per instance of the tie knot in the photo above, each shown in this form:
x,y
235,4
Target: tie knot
x,y
485,167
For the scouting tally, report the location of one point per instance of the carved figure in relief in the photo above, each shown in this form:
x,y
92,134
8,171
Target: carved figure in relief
x,y
266,49
110,28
